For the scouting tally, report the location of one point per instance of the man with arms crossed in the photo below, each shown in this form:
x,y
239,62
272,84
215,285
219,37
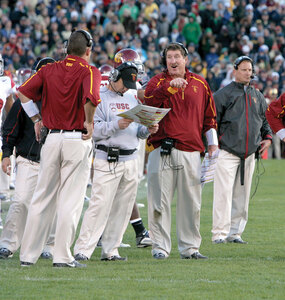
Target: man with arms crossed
x,y
69,91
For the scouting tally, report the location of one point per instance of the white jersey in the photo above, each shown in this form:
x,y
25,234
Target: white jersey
x,y
104,80
6,90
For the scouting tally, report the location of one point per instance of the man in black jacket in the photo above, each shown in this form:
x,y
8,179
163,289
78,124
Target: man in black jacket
x,y
19,133
243,131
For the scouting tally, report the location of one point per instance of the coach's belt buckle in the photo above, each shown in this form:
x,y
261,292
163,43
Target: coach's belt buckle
x,y
73,135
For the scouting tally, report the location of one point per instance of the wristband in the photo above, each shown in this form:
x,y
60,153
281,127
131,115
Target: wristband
x,y
37,120
30,108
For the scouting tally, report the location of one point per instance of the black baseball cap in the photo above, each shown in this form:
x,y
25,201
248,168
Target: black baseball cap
x,y
129,77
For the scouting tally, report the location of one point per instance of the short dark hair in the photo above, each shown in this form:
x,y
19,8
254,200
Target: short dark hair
x,y
77,44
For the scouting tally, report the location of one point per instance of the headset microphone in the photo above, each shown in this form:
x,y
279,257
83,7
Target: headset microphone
x,y
252,76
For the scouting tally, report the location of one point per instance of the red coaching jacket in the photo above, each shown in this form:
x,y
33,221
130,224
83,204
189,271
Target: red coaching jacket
x,y
192,111
275,114
64,87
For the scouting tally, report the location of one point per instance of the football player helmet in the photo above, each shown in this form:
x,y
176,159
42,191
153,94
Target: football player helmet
x,y
130,55
22,75
105,69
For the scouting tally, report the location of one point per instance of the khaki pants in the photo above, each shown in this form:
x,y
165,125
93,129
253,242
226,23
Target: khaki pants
x,y
231,199
182,171
63,177
110,207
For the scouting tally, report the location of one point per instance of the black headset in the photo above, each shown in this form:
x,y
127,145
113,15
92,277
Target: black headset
x,y
240,59
163,53
115,74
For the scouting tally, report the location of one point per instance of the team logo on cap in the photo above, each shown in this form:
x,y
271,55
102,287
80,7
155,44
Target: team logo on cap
x,y
134,76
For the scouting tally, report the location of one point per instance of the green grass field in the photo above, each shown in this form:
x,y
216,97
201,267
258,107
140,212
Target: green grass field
x,y
253,271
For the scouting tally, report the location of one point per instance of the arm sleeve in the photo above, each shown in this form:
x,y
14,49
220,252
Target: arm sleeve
x,y
102,128
266,132
158,91
275,114
143,132
91,86
11,129
218,98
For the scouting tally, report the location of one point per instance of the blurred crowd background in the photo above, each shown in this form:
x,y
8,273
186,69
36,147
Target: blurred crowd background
x,y
215,33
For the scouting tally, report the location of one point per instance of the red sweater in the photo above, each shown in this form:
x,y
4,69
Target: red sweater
x,y
192,111
275,114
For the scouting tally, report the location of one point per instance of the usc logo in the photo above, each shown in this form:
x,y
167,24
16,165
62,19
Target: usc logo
x,y
134,76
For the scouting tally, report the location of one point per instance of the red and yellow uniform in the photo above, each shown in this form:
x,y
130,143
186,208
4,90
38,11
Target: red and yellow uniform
x,y
192,111
192,114
58,106
64,88
275,114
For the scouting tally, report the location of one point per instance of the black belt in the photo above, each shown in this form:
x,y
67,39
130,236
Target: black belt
x,y
121,151
61,130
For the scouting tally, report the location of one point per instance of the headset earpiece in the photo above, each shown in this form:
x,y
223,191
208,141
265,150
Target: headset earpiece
x,y
240,59
115,74
86,34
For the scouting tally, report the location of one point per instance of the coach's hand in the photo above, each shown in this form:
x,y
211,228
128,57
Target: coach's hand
x,y
6,165
178,83
89,127
124,123
37,128
153,128
265,144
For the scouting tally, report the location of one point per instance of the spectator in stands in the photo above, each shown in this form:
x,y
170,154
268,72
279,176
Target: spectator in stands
x,y
192,30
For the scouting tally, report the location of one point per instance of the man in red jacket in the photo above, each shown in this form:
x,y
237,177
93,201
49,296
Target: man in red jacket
x,y
174,162
275,116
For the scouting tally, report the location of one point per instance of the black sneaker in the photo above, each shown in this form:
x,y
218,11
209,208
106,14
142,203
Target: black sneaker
x,y
73,264
80,256
195,255
46,255
5,253
114,258
143,240
26,264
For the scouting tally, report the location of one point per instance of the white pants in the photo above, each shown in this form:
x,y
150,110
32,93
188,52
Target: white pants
x,y
26,180
231,199
163,180
4,178
61,186
110,207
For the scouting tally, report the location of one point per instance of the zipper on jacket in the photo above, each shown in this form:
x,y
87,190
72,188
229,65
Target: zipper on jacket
x,y
247,130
